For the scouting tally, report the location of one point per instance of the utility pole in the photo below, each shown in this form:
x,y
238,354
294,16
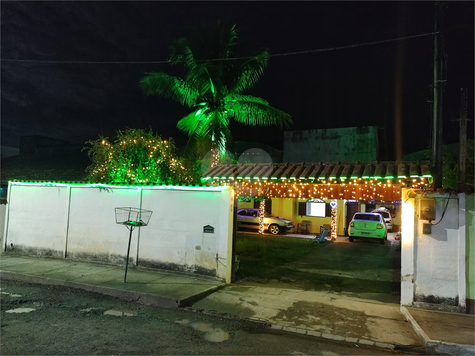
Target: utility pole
x,y
437,125
462,139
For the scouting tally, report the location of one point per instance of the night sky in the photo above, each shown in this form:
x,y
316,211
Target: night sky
x,y
327,89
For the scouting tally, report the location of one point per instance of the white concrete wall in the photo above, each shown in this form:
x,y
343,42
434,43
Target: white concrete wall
x,y
433,265
78,222
3,212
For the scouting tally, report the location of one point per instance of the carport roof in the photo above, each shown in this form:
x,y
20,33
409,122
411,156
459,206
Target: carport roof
x,y
322,172
375,181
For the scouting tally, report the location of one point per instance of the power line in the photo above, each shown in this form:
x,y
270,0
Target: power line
x,y
355,45
226,59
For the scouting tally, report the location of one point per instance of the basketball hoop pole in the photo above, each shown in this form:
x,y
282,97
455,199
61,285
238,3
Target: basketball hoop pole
x,y
131,217
128,252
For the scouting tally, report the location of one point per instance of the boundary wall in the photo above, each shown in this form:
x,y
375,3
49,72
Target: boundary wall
x,y
77,221
435,260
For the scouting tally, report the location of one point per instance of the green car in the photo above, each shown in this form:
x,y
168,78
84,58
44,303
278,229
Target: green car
x,y
370,225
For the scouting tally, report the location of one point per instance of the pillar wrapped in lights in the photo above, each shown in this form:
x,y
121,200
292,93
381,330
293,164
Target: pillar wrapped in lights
x,y
334,205
262,205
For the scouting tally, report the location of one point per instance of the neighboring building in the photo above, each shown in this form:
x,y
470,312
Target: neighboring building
x,y
43,158
346,145
8,151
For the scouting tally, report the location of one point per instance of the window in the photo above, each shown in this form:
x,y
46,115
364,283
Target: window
x,y
321,210
368,217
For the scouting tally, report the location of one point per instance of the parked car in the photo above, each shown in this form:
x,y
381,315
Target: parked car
x,y
387,217
370,225
249,218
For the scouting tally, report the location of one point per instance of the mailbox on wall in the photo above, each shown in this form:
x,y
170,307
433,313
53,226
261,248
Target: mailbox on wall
x,y
426,209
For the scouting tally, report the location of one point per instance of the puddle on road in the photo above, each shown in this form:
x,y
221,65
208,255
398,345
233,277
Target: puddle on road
x,y
11,294
182,322
119,313
211,334
20,310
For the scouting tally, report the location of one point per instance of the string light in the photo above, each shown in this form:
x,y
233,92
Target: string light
x,y
262,206
334,205
304,190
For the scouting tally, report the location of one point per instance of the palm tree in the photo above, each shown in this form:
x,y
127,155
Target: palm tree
x,y
213,87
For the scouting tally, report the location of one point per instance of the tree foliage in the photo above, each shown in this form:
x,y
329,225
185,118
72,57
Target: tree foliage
x,y
451,169
213,86
136,156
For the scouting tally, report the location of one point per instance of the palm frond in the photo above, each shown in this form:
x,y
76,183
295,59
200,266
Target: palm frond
x,y
229,41
255,111
160,83
250,72
180,52
193,123
201,79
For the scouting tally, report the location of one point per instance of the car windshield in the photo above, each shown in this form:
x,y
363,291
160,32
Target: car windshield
x,y
370,217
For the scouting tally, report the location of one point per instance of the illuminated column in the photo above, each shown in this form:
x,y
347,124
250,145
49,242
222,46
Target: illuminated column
x,y
334,205
262,206
408,249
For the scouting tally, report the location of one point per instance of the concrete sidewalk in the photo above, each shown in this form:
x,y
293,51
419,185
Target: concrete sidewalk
x,y
151,287
319,314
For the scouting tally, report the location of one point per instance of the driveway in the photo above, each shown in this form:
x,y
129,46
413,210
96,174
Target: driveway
x,y
362,269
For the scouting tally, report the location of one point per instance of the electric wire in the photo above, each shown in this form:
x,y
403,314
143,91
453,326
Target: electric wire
x,y
220,59
445,209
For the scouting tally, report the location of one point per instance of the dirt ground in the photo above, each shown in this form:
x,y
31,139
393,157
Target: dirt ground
x,y
362,269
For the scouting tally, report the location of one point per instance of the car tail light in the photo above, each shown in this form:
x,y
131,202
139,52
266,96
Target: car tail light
x,y
352,224
379,226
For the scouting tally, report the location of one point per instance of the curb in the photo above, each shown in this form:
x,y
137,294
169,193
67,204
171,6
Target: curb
x,y
130,296
196,297
327,336
418,330
436,345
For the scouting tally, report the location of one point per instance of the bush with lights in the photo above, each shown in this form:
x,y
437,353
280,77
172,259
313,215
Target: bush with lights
x,y
136,156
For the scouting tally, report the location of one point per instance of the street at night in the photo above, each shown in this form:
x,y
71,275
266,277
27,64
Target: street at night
x,y
54,320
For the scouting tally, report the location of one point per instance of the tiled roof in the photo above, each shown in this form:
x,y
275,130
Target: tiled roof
x,y
316,172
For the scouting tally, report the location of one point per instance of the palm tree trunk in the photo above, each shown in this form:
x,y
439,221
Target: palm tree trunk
x,y
215,157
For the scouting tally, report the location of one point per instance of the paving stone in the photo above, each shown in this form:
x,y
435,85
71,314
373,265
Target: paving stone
x,y
314,333
366,342
289,328
384,345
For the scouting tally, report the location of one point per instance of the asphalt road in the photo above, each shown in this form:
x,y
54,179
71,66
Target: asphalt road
x,y
56,320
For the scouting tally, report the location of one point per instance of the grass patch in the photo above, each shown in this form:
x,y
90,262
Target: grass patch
x,y
263,256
